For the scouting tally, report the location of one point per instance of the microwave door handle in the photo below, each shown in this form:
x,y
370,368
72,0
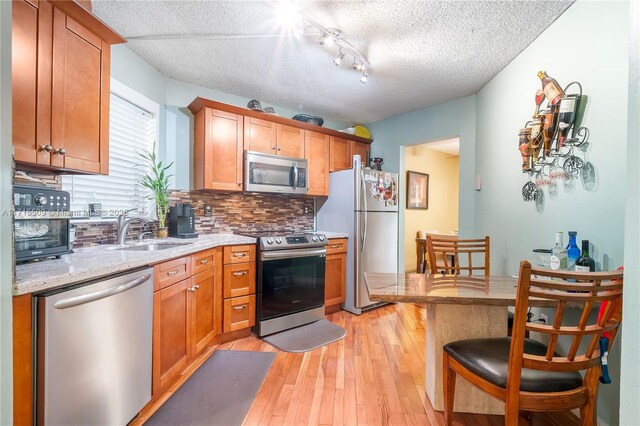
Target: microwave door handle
x,y
295,176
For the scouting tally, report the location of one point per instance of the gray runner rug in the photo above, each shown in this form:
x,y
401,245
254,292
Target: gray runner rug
x,y
220,392
307,337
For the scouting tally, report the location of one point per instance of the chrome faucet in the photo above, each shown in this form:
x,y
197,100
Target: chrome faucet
x,y
124,222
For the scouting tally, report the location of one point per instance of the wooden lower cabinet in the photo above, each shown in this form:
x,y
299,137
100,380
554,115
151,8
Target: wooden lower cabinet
x,y
335,274
187,315
239,313
171,334
204,326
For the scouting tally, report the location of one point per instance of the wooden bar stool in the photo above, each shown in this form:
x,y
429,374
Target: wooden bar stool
x,y
528,375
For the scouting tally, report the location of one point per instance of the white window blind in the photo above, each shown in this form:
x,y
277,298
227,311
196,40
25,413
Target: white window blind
x,y
131,130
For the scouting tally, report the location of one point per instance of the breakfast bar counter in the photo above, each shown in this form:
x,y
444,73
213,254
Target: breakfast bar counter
x,y
458,308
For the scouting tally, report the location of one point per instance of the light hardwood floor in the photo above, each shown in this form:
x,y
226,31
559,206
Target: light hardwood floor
x,y
375,376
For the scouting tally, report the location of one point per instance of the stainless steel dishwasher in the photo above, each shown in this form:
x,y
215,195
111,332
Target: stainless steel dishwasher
x,y
94,351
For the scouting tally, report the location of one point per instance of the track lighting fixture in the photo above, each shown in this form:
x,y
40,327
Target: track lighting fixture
x,y
328,37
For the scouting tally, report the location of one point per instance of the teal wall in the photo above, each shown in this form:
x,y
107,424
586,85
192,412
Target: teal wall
x,y
630,380
588,43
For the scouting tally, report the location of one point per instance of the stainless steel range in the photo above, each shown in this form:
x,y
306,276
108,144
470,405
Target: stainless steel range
x,y
290,280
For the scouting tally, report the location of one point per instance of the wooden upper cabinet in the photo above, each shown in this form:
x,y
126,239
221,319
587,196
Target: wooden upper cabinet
x,y
259,135
317,155
31,81
80,102
363,150
290,141
60,67
218,150
340,154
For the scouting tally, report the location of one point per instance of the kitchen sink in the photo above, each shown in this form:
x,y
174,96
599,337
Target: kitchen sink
x,y
153,246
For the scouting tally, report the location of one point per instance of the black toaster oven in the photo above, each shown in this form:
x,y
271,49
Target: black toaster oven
x,y
41,222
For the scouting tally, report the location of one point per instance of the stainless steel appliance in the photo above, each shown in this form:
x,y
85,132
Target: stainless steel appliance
x,y
290,280
274,173
363,203
41,223
94,351
182,221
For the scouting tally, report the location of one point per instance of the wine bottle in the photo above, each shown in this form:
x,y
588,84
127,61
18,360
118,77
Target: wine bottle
x,y
573,252
566,117
551,88
548,129
524,147
559,254
585,263
539,98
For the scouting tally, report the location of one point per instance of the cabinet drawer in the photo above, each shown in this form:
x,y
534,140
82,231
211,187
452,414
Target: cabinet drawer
x,y
171,272
336,245
202,261
239,279
239,254
239,313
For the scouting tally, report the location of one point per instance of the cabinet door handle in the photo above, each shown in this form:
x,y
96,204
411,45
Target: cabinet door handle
x,y
191,289
59,151
239,254
196,287
204,261
239,307
172,273
335,246
279,149
46,147
239,274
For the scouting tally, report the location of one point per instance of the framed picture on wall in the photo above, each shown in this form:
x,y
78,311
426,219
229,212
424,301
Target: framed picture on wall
x,y
417,190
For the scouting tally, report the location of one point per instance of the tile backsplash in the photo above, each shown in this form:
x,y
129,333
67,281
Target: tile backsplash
x,y
245,212
230,212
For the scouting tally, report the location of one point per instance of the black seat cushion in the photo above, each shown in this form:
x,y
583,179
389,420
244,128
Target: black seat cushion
x,y
489,358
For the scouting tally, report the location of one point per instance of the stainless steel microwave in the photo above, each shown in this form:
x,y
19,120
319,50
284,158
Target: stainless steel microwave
x,y
274,173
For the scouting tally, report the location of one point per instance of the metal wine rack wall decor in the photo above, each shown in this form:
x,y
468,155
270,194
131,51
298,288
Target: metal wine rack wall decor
x,y
554,144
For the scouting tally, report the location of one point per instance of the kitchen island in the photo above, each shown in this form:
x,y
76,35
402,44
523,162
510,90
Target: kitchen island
x,y
458,308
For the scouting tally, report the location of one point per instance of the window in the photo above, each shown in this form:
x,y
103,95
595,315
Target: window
x,y
132,128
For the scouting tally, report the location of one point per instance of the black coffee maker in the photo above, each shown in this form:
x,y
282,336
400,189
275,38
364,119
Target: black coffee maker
x,y
182,221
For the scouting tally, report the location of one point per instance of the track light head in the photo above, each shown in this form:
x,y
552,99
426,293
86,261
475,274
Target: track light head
x,y
338,60
365,76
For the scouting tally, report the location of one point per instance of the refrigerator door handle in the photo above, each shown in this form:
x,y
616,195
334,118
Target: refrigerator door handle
x,y
364,204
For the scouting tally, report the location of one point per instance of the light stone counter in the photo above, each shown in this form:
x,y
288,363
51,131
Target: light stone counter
x,y
89,263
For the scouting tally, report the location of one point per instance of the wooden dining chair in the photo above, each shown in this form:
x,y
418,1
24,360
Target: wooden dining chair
x,y
445,253
531,376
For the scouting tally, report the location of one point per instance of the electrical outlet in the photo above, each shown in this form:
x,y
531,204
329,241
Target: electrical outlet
x,y
306,209
544,318
208,211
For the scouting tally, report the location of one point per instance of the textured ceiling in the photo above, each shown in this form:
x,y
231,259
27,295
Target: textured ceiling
x,y
422,53
448,146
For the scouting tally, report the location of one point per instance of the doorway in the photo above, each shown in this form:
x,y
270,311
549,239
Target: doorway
x,y
440,160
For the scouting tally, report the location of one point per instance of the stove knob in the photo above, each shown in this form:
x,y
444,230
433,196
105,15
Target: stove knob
x,y
278,240
269,240
41,200
321,237
314,238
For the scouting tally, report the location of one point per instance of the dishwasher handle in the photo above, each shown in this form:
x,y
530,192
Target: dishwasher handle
x,y
101,294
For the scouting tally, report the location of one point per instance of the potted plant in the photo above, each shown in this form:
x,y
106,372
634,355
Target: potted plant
x,y
157,180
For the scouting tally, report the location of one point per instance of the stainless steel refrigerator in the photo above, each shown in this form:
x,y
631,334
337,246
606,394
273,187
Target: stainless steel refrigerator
x,y
364,204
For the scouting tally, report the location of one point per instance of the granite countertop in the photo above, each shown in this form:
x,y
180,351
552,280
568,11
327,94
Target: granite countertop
x,y
446,289
89,263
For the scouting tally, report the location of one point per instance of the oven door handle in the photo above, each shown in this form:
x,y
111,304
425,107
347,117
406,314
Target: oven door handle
x,y
290,254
